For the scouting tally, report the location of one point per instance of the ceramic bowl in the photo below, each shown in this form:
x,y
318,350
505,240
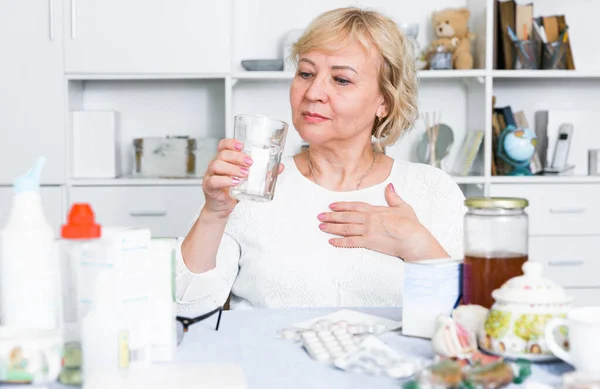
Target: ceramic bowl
x,y
515,325
263,65
30,356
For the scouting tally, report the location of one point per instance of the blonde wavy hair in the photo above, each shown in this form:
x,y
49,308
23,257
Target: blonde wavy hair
x,y
338,28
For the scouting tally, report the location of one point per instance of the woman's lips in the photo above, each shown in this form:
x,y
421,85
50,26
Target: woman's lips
x,y
312,117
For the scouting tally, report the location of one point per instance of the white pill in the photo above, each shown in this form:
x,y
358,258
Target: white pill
x,y
353,329
309,335
399,371
350,348
361,328
341,334
334,347
334,327
322,325
325,335
343,324
321,356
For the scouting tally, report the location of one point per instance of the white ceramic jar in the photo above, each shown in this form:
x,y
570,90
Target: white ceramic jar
x,y
523,306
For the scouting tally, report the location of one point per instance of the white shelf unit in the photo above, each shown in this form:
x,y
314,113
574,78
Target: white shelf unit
x,y
175,70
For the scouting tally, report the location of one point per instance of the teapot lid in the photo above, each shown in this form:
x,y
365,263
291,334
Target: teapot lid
x,y
531,288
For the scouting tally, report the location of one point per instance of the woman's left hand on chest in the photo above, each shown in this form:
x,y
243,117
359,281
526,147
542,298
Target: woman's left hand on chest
x,y
393,230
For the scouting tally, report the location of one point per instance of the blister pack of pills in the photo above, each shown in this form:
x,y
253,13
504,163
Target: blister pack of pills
x,y
374,357
353,347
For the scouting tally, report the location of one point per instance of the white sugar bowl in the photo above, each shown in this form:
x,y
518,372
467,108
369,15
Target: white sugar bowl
x,y
515,325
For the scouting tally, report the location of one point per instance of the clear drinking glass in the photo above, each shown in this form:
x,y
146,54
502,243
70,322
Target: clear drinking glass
x,y
263,139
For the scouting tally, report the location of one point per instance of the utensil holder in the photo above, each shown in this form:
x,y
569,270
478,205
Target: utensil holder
x,y
555,56
527,54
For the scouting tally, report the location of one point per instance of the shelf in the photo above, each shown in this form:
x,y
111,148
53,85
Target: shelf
x,y
574,179
263,75
449,74
546,74
148,76
130,181
423,74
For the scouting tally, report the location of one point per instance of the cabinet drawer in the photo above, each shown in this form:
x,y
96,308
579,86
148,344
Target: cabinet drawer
x,y
570,261
585,296
557,209
167,211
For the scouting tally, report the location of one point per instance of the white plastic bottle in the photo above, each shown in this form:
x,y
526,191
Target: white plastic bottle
x,y
104,334
29,268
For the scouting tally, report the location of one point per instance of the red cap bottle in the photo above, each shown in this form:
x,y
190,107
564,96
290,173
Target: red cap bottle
x,y
81,223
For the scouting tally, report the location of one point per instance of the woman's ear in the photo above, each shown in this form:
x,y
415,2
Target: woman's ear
x,y
382,110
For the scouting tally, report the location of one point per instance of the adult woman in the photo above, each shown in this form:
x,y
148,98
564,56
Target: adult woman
x,y
338,230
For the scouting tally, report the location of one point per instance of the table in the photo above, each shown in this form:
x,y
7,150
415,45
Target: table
x,y
248,338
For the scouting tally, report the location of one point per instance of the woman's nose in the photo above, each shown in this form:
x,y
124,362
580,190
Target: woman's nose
x,y
317,91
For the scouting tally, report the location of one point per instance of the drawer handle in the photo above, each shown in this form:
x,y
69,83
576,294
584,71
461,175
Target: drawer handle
x,y
567,210
147,213
577,262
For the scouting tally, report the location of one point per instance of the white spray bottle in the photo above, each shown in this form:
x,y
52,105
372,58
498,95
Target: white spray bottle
x,y
29,271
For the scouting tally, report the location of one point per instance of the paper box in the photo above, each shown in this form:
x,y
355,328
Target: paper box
x,y
94,148
143,268
431,287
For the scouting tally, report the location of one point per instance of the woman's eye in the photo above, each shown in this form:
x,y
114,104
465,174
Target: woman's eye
x,y
341,81
305,75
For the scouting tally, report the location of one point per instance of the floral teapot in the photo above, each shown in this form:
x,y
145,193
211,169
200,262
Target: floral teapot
x,y
523,306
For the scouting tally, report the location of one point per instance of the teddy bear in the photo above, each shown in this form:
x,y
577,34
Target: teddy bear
x,y
451,27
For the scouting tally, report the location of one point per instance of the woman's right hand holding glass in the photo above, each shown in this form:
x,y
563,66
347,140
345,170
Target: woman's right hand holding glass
x,y
227,169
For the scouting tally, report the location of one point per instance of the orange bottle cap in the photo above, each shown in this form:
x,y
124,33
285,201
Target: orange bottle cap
x,y
81,223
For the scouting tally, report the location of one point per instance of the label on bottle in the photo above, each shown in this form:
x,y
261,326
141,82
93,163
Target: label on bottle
x,y
123,344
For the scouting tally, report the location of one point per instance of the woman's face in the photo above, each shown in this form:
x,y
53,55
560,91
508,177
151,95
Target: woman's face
x,y
335,97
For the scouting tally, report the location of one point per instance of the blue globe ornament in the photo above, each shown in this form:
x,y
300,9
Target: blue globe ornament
x,y
516,146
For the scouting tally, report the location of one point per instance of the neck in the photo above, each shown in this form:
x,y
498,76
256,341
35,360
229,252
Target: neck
x,y
340,169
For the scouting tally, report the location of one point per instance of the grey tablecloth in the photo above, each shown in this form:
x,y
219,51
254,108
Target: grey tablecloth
x,y
248,338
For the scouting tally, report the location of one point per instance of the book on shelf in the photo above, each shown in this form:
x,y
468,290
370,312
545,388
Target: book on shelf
x,y
518,15
506,17
562,27
468,152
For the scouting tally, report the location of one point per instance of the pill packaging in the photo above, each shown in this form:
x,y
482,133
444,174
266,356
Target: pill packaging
x,y
353,347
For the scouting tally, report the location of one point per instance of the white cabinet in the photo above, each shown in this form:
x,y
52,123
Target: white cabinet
x,y
167,210
141,36
32,100
556,209
52,201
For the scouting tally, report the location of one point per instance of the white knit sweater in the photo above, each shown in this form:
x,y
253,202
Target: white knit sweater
x,y
274,254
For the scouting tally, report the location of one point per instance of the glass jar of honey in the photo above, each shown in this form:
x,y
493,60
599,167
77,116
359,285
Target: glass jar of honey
x,y
496,236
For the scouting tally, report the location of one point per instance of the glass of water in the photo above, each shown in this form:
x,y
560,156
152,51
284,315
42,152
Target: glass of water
x,y
263,139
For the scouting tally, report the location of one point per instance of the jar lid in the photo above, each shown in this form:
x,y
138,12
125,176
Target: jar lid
x,y
496,202
531,288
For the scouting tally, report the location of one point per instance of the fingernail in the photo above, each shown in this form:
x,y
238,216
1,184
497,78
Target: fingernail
x,y
235,180
238,146
244,171
391,187
333,206
248,161
321,216
331,241
322,225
